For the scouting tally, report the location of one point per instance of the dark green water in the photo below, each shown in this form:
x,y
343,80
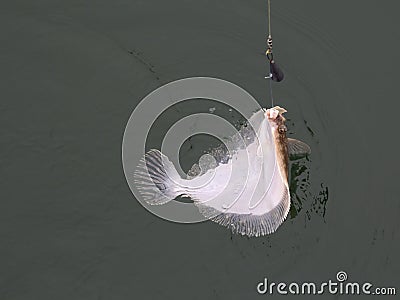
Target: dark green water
x,y
71,74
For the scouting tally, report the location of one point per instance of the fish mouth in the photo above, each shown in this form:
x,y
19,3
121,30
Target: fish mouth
x,y
281,110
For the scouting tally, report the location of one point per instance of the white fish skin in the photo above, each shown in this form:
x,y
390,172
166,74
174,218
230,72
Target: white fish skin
x,y
249,194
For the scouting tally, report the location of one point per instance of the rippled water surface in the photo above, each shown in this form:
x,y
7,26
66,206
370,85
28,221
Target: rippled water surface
x,y
72,73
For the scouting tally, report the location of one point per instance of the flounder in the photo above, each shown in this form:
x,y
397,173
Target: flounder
x,y
247,191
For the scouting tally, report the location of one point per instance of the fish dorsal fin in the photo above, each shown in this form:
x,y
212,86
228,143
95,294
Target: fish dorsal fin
x,y
297,149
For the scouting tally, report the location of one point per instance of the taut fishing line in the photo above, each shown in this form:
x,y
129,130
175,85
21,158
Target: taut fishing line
x,y
275,73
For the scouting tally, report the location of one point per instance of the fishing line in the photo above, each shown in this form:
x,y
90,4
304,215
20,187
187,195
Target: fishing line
x,y
270,91
269,51
275,73
269,18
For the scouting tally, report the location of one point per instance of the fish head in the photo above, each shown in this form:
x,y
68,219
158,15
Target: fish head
x,y
276,119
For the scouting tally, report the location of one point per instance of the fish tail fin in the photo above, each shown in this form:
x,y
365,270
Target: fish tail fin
x,y
156,178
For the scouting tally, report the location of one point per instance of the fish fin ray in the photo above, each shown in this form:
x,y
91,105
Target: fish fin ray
x,y
249,224
297,149
157,179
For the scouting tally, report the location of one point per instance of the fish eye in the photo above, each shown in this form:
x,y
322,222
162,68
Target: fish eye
x,y
282,129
